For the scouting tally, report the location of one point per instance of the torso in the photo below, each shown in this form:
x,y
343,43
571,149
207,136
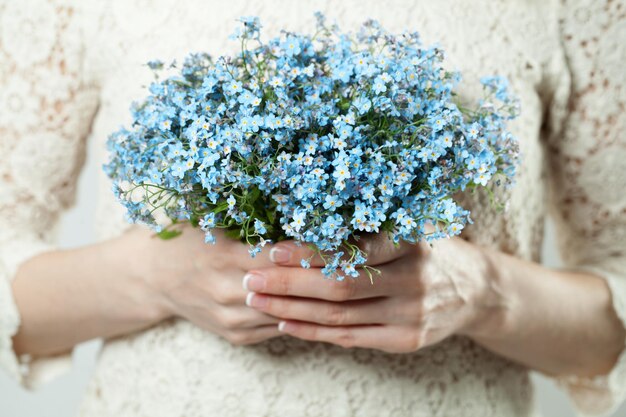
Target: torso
x,y
176,369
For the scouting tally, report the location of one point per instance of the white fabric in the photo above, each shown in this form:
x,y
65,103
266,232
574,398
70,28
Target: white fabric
x,y
62,63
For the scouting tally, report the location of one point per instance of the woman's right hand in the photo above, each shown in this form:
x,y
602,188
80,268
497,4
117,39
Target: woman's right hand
x,y
201,282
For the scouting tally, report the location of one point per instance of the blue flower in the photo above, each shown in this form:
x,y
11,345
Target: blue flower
x,y
332,202
207,222
233,87
298,220
449,210
248,99
291,46
437,123
179,169
344,130
331,225
342,73
341,172
313,138
362,104
209,238
379,85
473,130
455,229
259,227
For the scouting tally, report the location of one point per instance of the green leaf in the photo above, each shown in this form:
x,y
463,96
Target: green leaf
x,y
234,233
254,194
271,215
223,206
168,234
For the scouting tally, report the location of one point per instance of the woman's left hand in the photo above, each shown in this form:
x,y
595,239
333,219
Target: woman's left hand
x,y
423,295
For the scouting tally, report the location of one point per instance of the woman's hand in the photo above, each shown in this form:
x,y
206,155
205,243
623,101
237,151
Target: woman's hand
x,y
202,283
136,280
422,296
556,321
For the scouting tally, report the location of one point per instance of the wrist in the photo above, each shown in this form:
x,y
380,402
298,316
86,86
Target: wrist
x,y
492,306
144,299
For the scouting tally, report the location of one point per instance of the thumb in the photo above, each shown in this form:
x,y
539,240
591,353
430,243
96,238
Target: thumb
x,y
377,248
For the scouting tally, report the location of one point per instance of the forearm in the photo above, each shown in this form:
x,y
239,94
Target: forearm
x,y
556,321
69,296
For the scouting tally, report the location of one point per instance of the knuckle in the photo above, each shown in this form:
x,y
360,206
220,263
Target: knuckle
x,y
404,312
343,290
237,338
335,314
345,339
416,311
218,317
284,283
248,341
413,342
234,321
423,282
223,319
223,298
223,294
213,262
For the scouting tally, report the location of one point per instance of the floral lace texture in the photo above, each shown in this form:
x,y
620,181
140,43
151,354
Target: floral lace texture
x,y
69,70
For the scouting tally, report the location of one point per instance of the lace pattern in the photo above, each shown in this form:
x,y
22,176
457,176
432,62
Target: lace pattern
x,y
587,157
62,61
47,110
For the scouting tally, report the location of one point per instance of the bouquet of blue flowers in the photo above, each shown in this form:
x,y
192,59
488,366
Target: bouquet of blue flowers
x,y
320,139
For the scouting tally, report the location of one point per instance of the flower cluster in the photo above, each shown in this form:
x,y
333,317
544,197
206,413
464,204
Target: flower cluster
x,y
320,139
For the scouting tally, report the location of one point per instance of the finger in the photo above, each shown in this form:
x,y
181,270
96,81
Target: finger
x,y
243,317
241,252
290,253
368,311
378,248
391,339
252,336
237,252
311,283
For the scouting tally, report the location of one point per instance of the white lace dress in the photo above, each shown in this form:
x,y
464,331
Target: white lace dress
x,y
68,73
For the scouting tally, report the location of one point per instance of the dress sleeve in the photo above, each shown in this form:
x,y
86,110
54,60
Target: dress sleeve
x,y
46,108
586,161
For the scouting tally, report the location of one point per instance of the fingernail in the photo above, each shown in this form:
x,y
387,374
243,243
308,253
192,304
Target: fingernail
x,y
255,300
253,282
285,327
280,255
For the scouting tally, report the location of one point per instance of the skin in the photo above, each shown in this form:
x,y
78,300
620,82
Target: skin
x,y
133,282
422,296
555,321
